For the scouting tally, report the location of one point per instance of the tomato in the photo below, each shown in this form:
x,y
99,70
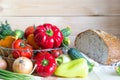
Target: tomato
x,y
56,53
20,48
29,30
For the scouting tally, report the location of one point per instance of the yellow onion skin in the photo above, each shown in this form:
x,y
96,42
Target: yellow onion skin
x,y
22,65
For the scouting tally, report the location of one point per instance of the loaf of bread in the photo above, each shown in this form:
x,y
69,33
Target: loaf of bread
x,y
99,45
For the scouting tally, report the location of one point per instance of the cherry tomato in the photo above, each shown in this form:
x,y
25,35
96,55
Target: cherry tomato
x,y
56,53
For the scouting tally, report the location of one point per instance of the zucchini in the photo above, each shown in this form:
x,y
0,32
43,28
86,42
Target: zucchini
x,y
75,54
66,31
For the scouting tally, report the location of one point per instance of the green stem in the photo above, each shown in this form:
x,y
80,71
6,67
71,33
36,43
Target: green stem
x,y
49,32
6,22
7,75
34,26
59,60
22,44
45,62
4,78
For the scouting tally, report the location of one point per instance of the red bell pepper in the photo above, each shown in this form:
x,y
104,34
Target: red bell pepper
x,y
20,48
48,36
46,64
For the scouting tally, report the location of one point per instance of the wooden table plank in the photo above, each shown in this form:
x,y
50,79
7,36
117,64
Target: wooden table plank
x,y
59,7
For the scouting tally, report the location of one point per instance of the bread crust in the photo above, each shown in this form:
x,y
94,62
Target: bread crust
x,y
112,43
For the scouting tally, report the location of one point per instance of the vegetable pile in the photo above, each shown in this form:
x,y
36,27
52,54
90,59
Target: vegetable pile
x,y
43,49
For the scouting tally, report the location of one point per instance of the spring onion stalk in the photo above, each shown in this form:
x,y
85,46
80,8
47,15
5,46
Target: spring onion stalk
x,y
7,75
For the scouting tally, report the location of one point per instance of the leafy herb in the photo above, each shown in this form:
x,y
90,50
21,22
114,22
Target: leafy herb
x,y
5,30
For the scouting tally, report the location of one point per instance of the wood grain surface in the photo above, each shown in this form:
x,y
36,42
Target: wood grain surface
x,y
59,7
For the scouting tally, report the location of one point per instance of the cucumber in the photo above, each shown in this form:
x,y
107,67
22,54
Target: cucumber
x,y
75,54
66,31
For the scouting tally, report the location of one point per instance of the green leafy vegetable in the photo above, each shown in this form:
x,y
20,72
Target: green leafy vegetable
x,y
5,30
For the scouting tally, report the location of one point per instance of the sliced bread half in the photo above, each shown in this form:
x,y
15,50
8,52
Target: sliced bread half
x,y
101,46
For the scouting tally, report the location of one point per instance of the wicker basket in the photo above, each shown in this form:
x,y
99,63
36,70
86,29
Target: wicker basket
x,y
6,54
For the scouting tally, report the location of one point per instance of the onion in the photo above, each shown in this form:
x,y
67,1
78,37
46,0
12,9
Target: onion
x,y
3,63
22,65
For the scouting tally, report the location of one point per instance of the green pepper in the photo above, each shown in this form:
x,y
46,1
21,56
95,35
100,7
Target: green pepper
x,y
66,42
117,69
63,59
18,34
74,68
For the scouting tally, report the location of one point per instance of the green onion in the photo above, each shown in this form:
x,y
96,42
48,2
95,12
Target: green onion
x,y
7,75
